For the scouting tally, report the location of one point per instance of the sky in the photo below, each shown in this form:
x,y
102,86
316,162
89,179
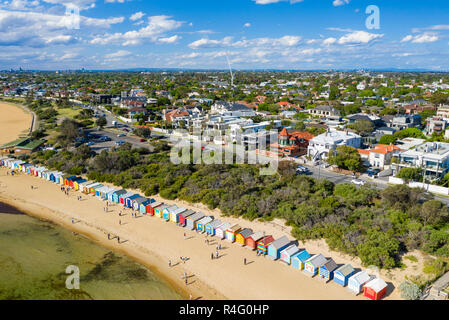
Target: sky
x,y
213,34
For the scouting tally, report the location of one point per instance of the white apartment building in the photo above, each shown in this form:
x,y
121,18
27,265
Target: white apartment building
x,y
320,146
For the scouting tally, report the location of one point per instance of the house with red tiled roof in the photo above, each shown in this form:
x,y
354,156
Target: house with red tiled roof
x,y
293,144
380,156
177,113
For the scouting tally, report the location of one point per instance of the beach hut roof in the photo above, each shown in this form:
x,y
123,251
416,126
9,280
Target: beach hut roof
x,y
134,196
281,242
179,210
256,236
91,184
140,200
163,206
377,284
345,270
187,213
246,232
361,277
98,186
216,223
172,208
196,216
120,192
205,220
234,228
102,188
147,202
77,181
302,255
224,226
317,260
330,265
291,250
156,204
266,240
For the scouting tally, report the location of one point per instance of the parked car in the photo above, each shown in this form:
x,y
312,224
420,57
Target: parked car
x,y
119,143
121,135
372,172
302,169
105,138
142,140
90,143
358,182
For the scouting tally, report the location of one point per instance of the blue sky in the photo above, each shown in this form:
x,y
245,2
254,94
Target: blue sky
x,y
202,34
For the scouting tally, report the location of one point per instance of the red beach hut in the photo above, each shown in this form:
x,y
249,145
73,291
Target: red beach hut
x,y
375,289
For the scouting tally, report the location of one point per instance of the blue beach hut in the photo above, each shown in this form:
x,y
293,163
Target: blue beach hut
x,y
275,248
299,259
342,274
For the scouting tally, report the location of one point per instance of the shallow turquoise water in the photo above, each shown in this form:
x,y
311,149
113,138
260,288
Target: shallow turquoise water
x,y
34,255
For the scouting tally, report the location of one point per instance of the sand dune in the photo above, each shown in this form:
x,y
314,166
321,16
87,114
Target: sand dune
x,y
14,121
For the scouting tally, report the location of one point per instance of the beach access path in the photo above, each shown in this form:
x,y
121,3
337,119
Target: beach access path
x,y
154,242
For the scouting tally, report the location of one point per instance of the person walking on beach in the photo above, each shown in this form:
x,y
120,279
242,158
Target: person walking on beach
x,y
186,281
212,256
118,239
244,261
184,235
120,222
216,253
169,263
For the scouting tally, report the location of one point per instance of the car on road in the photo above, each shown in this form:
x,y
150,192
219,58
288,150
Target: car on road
x,y
142,140
372,172
121,135
302,170
126,130
358,182
120,142
105,138
90,143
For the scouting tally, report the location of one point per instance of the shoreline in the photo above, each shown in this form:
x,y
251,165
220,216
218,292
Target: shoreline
x,y
153,242
149,260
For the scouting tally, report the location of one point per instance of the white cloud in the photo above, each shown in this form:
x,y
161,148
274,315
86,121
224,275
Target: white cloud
x,y
285,41
169,40
247,25
118,54
359,37
337,3
421,38
329,41
157,26
137,16
207,43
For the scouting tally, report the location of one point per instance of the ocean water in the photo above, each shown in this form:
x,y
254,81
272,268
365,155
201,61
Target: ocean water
x,y
34,255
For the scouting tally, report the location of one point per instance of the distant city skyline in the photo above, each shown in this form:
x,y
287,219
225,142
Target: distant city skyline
x,y
202,34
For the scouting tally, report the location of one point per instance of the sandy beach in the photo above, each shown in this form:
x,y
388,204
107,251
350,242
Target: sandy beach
x,y
14,121
154,242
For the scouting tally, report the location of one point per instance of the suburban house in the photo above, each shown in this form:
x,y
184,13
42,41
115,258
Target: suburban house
x,y
435,125
231,109
324,111
131,102
417,109
136,111
432,157
177,113
402,122
443,111
320,146
292,144
380,156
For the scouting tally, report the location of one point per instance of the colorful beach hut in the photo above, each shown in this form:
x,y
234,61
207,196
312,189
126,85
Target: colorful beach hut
x,y
77,183
93,189
174,215
357,281
232,231
275,248
326,272
251,241
125,196
220,231
342,274
167,212
287,253
375,289
262,244
152,206
299,259
182,217
86,188
137,202
193,219
116,195
313,264
158,211
201,224
144,205
129,200
242,235
210,227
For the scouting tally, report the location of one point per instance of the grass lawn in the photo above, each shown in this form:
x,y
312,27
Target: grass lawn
x,y
68,113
